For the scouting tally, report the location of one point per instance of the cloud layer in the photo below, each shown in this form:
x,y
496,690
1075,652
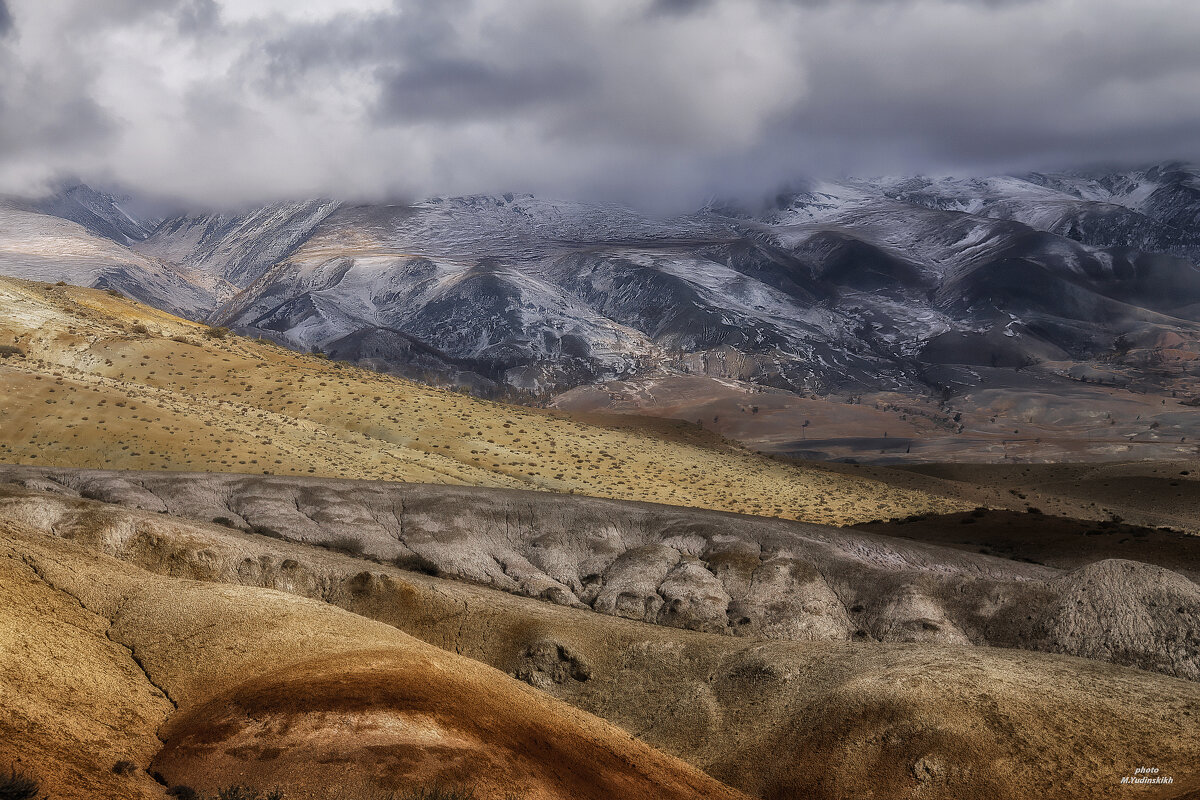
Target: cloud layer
x,y
654,102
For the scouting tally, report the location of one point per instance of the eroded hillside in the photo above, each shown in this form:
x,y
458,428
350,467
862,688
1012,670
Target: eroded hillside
x,y
821,719
112,675
717,573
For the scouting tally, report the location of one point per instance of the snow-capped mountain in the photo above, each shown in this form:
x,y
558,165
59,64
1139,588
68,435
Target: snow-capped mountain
x,y
37,246
227,252
103,214
852,286
912,284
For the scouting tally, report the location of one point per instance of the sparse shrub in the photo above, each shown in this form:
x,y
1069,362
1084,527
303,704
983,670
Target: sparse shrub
x,y
345,544
181,339
226,521
183,793
415,562
124,767
113,293
216,332
8,350
437,792
140,329
1033,510
247,793
17,786
263,530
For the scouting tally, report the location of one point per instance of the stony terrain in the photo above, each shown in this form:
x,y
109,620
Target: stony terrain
x,y
717,573
776,719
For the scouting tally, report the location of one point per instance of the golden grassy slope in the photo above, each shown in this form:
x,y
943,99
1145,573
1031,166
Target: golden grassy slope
x,y
107,382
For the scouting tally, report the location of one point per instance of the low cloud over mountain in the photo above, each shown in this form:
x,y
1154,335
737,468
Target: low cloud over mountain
x,y
644,101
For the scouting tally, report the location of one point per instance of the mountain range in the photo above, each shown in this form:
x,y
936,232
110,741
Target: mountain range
x,y
936,290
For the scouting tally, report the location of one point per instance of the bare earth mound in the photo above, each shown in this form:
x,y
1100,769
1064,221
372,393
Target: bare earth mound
x,y
776,719
101,646
370,718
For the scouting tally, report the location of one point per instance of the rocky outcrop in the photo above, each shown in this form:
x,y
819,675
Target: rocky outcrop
x,y
1129,613
716,573
702,571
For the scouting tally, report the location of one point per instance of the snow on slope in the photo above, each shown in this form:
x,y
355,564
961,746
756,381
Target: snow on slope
x,y
843,284
40,247
359,272
523,226
228,252
101,213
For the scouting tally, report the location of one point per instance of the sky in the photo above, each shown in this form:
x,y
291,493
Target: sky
x,y
656,103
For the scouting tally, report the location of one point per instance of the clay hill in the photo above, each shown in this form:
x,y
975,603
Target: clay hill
x,y
204,685
208,655
718,573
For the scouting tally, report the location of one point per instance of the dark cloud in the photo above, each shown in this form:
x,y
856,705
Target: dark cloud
x,y
6,20
198,16
458,89
678,6
649,101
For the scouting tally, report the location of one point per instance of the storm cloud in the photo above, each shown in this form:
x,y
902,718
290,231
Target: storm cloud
x,y
653,102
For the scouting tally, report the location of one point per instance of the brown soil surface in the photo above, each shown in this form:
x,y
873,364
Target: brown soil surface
x,y
1026,419
93,649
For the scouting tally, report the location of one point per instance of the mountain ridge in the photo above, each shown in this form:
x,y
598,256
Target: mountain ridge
x,y
940,290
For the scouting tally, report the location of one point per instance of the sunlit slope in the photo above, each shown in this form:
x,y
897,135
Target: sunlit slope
x,y
101,381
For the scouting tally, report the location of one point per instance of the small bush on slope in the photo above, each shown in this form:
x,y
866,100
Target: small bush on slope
x,y
246,793
432,792
17,786
344,544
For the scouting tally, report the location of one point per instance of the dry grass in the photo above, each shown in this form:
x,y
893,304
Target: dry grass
x,y
92,393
